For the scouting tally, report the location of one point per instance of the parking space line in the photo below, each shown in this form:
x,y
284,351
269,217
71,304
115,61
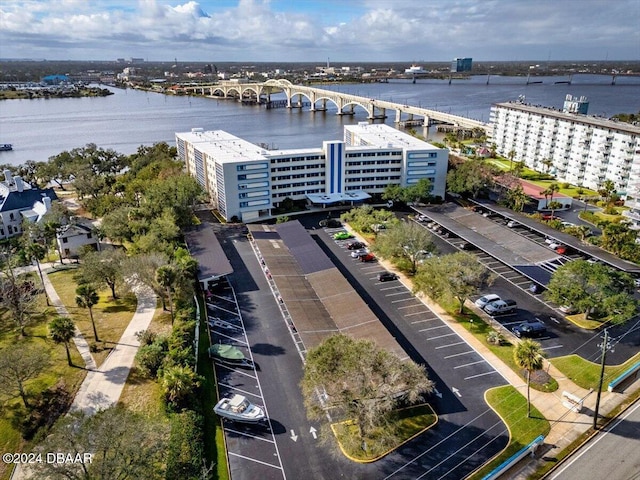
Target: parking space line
x,y
481,375
416,313
449,345
441,336
231,387
223,309
397,293
424,320
239,432
403,300
255,460
231,369
469,364
433,328
462,353
227,336
552,347
409,306
391,288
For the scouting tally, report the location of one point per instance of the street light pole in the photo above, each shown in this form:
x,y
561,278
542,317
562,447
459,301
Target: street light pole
x,y
605,346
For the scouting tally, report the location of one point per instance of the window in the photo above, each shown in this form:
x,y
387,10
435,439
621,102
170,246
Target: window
x,y
65,240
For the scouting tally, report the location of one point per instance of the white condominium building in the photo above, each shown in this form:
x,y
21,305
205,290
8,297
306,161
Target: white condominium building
x,y
247,181
583,150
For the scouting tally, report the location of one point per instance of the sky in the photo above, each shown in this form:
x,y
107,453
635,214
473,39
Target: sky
x,y
320,30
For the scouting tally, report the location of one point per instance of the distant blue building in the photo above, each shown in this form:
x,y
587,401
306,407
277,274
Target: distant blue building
x,y
55,79
461,64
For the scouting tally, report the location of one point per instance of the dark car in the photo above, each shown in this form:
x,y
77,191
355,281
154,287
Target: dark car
x,y
530,329
387,276
536,288
369,257
355,245
467,246
330,223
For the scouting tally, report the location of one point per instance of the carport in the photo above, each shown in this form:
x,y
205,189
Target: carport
x,y
319,299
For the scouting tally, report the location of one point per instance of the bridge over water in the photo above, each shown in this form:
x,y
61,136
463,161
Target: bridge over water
x,y
318,98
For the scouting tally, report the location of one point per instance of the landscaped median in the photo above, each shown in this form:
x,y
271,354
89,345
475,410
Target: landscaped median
x,y
406,424
511,407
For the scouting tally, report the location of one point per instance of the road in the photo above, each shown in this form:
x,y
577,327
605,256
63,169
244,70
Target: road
x,y
612,454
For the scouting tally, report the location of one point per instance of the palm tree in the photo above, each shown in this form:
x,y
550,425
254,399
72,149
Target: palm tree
x,y
529,356
166,276
548,193
607,189
87,297
548,163
179,383
511,155
62,330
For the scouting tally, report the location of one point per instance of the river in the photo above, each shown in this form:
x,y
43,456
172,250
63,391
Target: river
x,y
39,129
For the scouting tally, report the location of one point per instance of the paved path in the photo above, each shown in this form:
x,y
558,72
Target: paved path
x,y
78,339
102,387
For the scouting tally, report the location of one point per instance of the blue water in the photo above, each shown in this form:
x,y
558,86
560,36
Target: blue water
x,y
42,128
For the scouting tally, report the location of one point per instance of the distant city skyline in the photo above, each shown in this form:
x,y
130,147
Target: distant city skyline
x,y
320,30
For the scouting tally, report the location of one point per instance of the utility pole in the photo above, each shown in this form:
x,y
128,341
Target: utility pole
x,y
605,346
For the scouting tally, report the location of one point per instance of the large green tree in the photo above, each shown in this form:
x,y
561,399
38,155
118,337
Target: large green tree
x,y
405,240
359,381
470,178
452,277
529,356
103,268
594,289
123,445
365,217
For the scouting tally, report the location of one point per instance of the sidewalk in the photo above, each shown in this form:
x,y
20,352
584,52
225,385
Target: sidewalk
x,y
566,425
103,386
79,341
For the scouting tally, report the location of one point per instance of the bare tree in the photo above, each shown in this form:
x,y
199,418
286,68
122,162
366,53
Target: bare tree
x,y
19,363
18,295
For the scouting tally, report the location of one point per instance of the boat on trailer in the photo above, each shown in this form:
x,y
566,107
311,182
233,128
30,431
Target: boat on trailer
x,y
238,409
229,355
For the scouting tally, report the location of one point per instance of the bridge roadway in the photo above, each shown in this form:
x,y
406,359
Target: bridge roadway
x,y
345,102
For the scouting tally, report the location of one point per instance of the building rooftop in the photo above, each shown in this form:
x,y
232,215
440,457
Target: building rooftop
x,y
225,147
573,117
382,135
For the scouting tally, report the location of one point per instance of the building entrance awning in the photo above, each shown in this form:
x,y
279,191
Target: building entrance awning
x,y
331,198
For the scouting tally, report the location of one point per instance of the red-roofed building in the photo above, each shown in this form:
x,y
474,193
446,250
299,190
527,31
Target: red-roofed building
x,y
535,192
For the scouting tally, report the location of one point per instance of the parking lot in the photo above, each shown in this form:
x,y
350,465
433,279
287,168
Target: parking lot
x,y
461,374
516,278
226,326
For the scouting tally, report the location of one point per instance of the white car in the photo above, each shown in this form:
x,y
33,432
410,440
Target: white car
x,y
359,253
486,299
512,223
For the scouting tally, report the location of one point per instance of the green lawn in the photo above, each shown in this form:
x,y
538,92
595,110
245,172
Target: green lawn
x,y
59,370
511,406
111,316
586,374
404,424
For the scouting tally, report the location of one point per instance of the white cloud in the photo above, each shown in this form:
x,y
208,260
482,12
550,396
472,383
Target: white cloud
x,y
368,29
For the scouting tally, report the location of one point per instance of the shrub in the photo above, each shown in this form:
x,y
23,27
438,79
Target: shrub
x,y
145,337
151,357
185,452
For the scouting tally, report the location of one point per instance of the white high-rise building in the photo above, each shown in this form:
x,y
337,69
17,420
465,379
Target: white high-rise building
x,y
584,150
246,181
